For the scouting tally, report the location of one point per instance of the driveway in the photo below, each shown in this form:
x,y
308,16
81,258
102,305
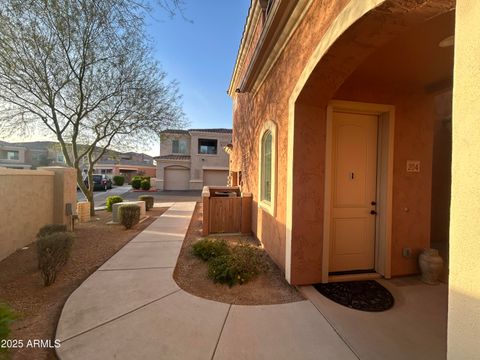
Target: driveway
x,y
126,193
101,196
167,196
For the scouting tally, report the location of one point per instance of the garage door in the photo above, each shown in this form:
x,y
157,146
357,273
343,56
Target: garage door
x,y
215,177
176,179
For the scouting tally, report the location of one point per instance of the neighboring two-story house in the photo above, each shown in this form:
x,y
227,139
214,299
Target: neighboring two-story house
x,y
191,159
12,156
48,153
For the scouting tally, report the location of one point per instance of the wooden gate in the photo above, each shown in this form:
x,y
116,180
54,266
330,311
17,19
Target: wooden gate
x,y
225,214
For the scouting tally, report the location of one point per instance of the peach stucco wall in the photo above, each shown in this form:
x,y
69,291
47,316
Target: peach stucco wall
x,y
271,103
413,139
414,119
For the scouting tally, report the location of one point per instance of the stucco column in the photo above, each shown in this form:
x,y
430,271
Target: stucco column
x,y
464,281
64,192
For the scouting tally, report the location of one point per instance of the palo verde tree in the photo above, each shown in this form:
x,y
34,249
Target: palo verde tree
x,y
84,71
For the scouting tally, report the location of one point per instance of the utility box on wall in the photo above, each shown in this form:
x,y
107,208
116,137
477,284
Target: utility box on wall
x,y
226,210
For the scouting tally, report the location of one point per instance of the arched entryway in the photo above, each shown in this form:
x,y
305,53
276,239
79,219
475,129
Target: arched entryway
x,y
387,54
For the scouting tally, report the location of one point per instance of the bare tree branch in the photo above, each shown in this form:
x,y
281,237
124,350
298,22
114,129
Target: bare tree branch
x,y
84,70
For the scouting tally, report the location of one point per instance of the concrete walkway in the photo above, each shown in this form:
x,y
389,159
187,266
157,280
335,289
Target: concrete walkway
x,y
131,308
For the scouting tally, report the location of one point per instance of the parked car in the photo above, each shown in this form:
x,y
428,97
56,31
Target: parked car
x,y
100,182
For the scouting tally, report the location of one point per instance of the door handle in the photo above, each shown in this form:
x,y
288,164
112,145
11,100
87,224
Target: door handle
x,y
373,212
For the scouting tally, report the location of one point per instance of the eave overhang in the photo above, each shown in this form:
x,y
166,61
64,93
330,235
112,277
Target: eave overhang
x,y
280,25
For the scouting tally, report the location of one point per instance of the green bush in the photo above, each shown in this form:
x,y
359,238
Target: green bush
x,y
129,215
207,249
244,263
119,180
141,177
50,229
113,200
7,316
53,252
145,184
136,183
149,201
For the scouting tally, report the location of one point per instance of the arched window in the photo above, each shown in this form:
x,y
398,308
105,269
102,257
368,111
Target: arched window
x,y
267,168
266,177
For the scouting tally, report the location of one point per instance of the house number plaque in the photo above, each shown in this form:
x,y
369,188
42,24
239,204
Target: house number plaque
x,y
413,166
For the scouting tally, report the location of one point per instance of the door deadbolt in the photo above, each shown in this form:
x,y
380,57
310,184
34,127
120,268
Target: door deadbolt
x,y
373,203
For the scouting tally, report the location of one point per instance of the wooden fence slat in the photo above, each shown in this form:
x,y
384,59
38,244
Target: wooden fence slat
x,y
225,215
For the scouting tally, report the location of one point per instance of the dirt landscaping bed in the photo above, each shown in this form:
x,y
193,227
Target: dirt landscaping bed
x,y
39,307
191,274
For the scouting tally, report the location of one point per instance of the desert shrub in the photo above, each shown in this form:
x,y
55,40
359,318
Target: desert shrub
x,y
53,251
145,184
118,180
7,316
149,201
113,200
244,263
141,177
207,249
136,183
50,229
129,215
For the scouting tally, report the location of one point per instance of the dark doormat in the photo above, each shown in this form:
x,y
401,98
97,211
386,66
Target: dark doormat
x,y
366,295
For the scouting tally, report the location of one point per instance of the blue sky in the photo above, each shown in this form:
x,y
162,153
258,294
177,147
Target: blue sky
x,y
201,55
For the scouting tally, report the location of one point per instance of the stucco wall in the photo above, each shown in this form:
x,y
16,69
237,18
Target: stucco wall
x,y
166,143
414,119
199,161
64,191
464,281
30,199
26,205
5,149
271,102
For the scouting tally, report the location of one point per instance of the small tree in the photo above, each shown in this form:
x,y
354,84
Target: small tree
x,y
83,71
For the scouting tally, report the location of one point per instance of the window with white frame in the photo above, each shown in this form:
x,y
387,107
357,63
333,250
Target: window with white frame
x,y
267,167
179,146
266,176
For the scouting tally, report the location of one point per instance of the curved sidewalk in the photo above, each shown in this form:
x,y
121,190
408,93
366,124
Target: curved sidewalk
x,y
131,308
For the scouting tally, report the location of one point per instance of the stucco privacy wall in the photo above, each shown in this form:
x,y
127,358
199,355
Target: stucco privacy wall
x,y
30,199
464,281
64,191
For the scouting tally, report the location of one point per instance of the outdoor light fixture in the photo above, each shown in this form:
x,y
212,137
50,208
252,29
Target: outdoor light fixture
x,y
447,42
